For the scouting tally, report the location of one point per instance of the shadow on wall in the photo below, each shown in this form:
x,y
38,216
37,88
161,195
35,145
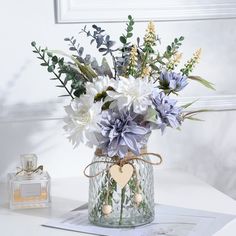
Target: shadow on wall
x,y
221,158
204,149
19,123
217,163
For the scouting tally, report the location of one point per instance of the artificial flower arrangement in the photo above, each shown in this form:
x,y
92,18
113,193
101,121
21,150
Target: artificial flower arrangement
x,y
115,108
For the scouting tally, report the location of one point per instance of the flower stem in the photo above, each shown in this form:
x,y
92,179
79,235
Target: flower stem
x,y
122,205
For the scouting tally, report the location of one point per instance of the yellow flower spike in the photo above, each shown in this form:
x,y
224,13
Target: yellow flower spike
x,y
191,63
133,56
146,72
150,36
196,58
177,57
151,27
174,61
197,55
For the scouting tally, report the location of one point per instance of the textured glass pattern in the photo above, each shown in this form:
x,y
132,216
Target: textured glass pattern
x,y
125,210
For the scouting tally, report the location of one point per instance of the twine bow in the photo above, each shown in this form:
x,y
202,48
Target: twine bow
x,y
127,159
29,172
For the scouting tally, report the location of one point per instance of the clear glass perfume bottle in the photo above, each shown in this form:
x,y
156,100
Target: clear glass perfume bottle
x,y
29,187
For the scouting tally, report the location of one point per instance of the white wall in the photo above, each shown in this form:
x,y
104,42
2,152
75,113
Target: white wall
x,y
30,111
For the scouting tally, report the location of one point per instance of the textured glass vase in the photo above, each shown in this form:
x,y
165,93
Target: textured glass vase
x,y
132,205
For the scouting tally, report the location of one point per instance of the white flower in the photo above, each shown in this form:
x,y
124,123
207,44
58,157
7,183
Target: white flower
x,y
82,118
98,85
132,91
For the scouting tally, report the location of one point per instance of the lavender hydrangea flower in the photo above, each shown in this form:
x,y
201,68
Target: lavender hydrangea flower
x,y
120,133
168,113
172,81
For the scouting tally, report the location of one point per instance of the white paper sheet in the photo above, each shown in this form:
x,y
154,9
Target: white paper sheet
x,y
169,221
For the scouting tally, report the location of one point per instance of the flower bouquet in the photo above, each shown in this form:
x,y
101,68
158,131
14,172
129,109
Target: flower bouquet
x,y
115,106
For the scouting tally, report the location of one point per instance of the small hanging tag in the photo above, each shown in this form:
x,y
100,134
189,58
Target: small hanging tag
x,y
121,174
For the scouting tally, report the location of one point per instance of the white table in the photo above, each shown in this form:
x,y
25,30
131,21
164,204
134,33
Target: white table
x,y
172,188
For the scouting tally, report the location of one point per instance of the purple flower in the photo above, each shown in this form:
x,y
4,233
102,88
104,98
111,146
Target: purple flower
x,y
120,133
172,81
168,113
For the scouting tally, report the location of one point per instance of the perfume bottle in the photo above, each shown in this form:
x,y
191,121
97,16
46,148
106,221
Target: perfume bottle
x,y
30,186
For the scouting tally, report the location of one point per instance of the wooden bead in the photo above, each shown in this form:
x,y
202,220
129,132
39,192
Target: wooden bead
x,y
106,209
138,198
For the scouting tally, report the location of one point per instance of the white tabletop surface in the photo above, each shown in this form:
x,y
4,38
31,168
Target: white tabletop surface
x,y
172,187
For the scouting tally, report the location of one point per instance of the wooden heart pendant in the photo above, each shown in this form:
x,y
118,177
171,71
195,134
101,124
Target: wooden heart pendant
x,y
122,174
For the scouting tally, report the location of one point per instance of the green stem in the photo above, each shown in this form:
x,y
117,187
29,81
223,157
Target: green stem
x,y
122,205
144,61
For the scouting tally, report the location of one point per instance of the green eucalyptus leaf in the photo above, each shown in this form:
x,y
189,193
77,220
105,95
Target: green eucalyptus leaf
x,y
61,62
49,54
168,48
51,68
65,95
102,49
72,48
55,59
79,91
123,39
129,35
130,28
44,64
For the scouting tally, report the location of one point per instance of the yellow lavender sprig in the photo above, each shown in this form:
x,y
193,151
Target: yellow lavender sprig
x,y
150,37
189,66
133,60
146,71
174,61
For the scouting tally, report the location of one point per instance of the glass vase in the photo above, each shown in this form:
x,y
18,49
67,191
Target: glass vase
x,y
113,206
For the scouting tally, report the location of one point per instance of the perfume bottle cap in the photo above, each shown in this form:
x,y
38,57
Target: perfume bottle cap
x,y
29,162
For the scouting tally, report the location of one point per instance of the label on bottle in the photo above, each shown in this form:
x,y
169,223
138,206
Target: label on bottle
x,y
30,190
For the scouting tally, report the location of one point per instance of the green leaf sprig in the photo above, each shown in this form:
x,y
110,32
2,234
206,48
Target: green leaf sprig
x,y
50,61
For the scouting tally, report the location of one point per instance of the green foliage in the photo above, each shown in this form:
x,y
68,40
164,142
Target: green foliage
x,y
191,115
33,44
125,37
173,47
202,81
193,118
58,67
148,61
189,104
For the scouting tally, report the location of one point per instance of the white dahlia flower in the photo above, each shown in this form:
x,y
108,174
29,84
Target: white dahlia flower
x,y
132,91
99,85
82,118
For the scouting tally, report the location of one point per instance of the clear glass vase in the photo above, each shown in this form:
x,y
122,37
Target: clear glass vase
x,y
132,205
